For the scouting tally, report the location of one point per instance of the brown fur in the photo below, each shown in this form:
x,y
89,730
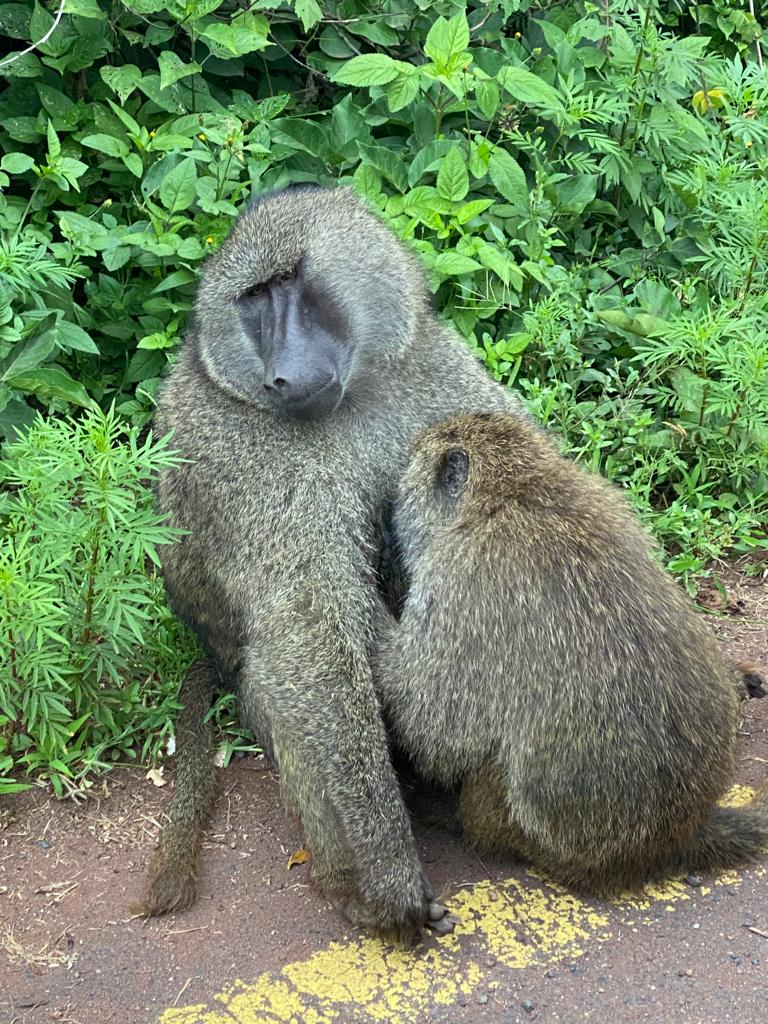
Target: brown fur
x,y
546,662
172,883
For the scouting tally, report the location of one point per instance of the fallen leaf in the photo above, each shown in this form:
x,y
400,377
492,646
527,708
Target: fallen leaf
x,y
298,857
155,776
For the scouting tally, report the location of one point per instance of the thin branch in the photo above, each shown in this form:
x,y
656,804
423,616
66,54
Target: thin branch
x,y
46,37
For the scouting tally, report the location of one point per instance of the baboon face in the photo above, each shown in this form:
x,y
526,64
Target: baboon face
x,y
304,298
302,337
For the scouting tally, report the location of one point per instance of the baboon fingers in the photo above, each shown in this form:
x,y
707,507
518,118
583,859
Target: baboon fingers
x,y
443,925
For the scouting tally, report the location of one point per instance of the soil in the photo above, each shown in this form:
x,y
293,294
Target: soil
x,y
72,952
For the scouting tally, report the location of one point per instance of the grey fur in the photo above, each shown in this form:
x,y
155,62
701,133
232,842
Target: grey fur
x,y
278,573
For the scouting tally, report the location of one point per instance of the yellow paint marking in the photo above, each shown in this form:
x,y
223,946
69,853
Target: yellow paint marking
x,y
365,980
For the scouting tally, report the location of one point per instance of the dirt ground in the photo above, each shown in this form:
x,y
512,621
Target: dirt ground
x,y
260,946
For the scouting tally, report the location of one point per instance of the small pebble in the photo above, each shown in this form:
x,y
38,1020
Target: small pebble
x,y
43,844
528,1005
695,880
551,973
483,999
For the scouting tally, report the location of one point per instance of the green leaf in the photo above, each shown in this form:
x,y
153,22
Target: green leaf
x,y
454,263
370,69
453,177
134,164
132,126
156,341
614,318
86,9
48,382
474,208
309,12
70,336
367,182
575,193
30,351
172,68
689,388
423,201
447,38
501,263
389,163
39,24
303,134
488,98
245,34
177,192
428,159
175,280
121,80
17,163
54,146
403,91
88,235
508,178
106,144
523,85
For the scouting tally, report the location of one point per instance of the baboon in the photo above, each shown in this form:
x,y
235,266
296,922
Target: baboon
x,y
313,359
548,665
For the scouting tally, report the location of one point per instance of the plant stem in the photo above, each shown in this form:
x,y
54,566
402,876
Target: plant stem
x,y
89,596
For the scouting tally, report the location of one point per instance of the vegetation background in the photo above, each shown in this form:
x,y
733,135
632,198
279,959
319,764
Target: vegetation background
x,y
585,182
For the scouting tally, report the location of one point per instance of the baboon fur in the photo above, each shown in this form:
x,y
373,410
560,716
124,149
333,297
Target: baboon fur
x,y
277,574
546,663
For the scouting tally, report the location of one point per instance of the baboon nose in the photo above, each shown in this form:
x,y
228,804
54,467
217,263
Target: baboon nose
x,y
278,384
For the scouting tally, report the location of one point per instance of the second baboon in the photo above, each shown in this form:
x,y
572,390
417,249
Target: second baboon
x,y
546,663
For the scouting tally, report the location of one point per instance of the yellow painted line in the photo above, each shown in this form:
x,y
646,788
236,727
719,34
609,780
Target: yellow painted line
x,y
365,980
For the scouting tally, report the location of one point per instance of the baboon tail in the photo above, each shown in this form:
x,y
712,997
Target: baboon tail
x,y
731,836
172,883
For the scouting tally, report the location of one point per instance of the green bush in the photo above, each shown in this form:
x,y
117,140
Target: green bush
x,y
90,654
586,184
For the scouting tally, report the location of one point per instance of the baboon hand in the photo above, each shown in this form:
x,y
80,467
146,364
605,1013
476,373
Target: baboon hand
x,y
409,911
404,914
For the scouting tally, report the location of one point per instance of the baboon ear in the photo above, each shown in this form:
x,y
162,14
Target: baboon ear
x,y
452,472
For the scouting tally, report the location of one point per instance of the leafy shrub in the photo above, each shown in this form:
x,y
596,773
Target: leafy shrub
x,y
90,654
587,185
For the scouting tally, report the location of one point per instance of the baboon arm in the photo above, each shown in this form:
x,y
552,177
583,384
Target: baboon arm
x,y
330,739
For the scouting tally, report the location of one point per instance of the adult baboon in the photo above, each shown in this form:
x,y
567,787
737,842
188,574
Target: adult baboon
x,y
313,359
546,662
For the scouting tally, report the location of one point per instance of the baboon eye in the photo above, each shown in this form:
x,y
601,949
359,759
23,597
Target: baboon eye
x,y
254,292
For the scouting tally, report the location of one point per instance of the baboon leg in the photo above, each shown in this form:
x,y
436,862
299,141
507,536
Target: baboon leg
x,y
332,864
485,816
334,762
173,871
